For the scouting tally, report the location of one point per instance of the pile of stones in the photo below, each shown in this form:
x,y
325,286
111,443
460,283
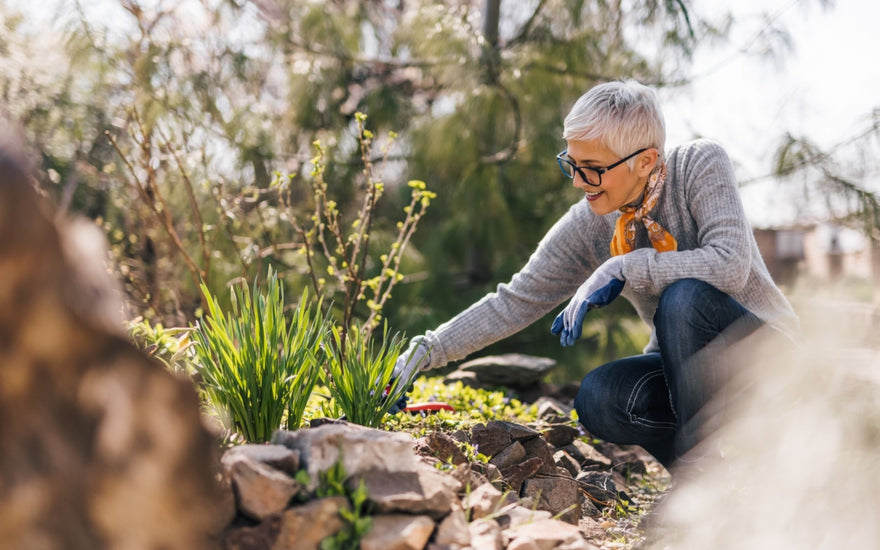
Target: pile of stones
x,y
543,486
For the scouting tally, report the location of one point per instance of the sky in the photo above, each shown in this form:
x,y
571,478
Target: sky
x,y
825,88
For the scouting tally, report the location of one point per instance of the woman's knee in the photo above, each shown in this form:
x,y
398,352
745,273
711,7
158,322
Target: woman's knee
x,y
684,302
682,297
591,404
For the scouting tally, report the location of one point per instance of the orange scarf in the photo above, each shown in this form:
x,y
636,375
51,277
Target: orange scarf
x,y
624,239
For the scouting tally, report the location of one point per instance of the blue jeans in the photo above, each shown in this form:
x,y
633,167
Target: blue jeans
x,y
656,400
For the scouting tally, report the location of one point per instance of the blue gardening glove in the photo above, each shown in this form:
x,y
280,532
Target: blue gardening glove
x,y
417,356
600,289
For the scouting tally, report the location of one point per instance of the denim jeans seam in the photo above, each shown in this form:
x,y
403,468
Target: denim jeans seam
x,y
635,419
652,424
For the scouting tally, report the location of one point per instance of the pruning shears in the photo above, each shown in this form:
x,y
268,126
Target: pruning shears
x,y
429,407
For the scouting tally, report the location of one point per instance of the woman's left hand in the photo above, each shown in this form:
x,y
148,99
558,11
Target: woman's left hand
x,y
600,289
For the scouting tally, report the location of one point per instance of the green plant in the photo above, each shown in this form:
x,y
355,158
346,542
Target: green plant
x,y
357,520
360,380
344,254
257,366
471,406
171,346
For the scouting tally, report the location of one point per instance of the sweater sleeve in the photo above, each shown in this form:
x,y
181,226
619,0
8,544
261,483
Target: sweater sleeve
x,y
561,262
708,194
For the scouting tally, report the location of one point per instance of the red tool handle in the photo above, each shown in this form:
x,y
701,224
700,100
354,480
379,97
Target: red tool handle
x,y
431,406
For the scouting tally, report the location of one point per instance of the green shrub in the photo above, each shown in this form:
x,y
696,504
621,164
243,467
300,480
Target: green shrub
x,y
257,366
358,376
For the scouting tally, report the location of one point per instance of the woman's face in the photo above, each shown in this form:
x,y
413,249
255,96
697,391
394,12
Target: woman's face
x,y
620,185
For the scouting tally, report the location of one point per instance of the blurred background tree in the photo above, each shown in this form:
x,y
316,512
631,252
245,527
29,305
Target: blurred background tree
x,y
167,122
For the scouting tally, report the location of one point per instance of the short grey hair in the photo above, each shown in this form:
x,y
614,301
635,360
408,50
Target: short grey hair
x,y
624,115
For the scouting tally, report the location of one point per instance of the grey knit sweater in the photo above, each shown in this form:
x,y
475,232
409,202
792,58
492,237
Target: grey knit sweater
x,y
700,206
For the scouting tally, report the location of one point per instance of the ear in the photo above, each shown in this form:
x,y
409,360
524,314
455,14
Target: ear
x,y
646,162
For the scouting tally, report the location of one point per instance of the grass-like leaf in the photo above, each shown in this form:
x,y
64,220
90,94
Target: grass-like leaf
x,y
259,367
359,378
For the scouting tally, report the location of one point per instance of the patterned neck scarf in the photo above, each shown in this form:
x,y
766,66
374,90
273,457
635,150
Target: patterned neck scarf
x,y
624,239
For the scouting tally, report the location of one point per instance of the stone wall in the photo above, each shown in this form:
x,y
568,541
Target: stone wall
x,y
543,487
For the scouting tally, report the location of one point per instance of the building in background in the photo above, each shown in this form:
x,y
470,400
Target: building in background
x,y
821,253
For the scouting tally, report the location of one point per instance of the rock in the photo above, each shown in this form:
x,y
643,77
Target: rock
x,y
442,447
453,530
488,471
515,475
514,516
360,449
323,421
424,492
398,532
467,379
546,533
539,448
485,534
276,456
587,455
600,486
432,462
591,528
304,527
564,460
557,495
259,537
225,506
101,446
628,461
490,440
588,508
552,410
517,432
467,477
482,501
513,454
512,370
560,435
260,490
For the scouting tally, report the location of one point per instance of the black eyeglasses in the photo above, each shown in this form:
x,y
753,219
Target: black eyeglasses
x,y
569,168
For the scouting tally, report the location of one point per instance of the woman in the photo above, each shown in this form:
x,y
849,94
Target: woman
x,y
668,232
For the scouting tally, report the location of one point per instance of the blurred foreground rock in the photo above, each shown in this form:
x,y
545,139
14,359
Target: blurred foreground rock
x,y
802,423
426,494
101,448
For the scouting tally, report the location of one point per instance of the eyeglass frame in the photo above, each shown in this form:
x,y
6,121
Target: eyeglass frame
x,y
598,171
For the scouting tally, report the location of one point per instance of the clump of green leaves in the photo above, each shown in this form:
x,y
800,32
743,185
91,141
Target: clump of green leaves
x,y
170,346
360,380
258,367
357,519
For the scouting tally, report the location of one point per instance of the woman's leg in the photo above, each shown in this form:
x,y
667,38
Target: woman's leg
x,y
695,324
627,402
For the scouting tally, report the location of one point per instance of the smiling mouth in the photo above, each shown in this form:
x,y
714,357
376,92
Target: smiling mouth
x,y
593,195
